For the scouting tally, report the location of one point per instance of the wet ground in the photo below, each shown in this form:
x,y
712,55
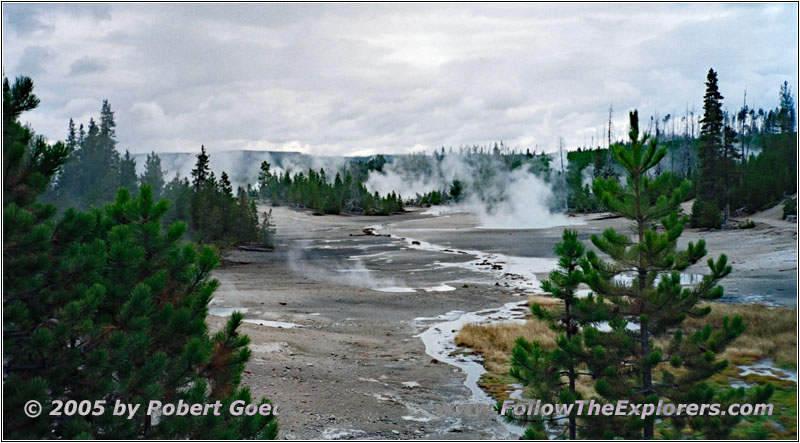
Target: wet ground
x,y
350,317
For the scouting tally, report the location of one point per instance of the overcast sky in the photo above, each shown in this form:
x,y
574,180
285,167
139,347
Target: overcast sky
x,y
336,79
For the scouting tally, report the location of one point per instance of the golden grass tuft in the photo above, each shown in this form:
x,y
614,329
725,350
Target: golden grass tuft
x,y
494,342
771,332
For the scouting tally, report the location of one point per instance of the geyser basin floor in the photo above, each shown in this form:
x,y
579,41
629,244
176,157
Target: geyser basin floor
x,y
352,335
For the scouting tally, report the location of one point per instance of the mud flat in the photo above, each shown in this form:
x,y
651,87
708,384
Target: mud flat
x,y
342,316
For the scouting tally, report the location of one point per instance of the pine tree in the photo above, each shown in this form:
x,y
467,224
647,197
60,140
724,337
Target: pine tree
x,y
93,173
641,297
81,135
729,161
107,130
202,194
179,192
225,202
153,175
28,160
127,173
710,187
264,180
72,137
226,188
107,145
216,215
201,170
456,189
544,373
106,306
266,232
787,115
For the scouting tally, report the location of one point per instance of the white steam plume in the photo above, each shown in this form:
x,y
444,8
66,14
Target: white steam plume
x,y
502,199
355,274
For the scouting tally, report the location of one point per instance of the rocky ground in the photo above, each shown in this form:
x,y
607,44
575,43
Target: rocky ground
x,y
334,312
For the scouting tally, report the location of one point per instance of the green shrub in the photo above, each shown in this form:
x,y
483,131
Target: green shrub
x,y
789,207
705,215
747,224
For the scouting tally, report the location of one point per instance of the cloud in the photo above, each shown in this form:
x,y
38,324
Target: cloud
x,y
33,61
88,65
26,18
22,19
338,79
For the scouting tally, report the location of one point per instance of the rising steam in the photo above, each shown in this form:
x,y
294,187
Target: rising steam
x,y
502,199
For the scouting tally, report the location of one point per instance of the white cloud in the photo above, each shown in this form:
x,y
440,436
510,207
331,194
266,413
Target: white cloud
x,y
339,79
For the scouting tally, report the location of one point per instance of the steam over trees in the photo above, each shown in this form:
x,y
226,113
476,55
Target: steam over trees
x,y
95,171
107,305
216,215
313,191
153,175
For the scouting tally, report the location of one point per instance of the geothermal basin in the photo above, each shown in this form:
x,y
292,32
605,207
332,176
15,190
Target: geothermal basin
x,y
351,318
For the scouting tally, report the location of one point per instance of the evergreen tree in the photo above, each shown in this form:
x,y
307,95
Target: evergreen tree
x,y
456,189
201,170
28,160
107,306
768,177
225,186
641,298
243,218
787,115
72,136
729,158
179,192
202,192
153,175
710,190
81,135
107,144
225,202
266,234
108,128
216,215
264,180
541,372
93,173
127,172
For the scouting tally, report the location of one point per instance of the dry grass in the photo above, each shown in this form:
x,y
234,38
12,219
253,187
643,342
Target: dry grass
x,y
494,342
771,333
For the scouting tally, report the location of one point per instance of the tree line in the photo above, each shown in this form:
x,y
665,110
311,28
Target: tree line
x,y
739,162
726,178
95,170
314,191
